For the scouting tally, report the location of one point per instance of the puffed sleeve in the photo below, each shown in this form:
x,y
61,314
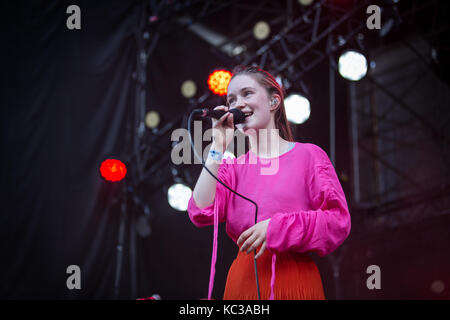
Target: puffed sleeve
x,y
322,229
205,216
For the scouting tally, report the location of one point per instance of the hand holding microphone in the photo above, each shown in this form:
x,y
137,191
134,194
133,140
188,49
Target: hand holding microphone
x,y
222,128
238,115
223,122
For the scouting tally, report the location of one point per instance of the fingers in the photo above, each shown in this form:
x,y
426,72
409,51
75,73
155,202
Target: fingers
x,y
244,235
219,122
224,118
255,245
252,243
230,120
261,251
247,240
224,108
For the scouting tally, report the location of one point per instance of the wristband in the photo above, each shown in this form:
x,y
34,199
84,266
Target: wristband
x,y
215,155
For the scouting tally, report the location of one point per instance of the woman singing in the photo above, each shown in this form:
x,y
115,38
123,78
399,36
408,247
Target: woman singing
x,y
301,204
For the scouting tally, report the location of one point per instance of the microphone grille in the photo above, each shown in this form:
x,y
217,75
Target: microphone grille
x,y
238,116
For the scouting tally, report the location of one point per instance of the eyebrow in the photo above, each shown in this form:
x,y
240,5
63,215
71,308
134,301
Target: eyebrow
x,y
245,88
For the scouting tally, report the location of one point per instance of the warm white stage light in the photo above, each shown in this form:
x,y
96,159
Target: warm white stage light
x,y
352,65
261,30
297,108
188,89
152,119
305,2
178,196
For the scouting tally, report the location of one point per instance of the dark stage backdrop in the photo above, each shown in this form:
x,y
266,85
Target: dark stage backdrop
x,y
66,96
68,99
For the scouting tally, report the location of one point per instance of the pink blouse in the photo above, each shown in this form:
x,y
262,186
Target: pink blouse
x,y
299,191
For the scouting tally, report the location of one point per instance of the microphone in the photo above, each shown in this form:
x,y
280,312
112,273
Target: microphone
x,y
238,115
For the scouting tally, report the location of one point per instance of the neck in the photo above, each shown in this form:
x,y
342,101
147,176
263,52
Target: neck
x,y
268,143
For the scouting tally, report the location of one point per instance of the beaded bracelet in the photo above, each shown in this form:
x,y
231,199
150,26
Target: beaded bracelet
x,y
215,155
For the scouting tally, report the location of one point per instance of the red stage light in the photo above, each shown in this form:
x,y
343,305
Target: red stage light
x,y
218,81
113,170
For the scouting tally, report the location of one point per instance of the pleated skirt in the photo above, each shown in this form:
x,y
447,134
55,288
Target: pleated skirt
x,y
296,278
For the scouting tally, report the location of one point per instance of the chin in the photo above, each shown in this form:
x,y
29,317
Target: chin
x,y
253,124
248,130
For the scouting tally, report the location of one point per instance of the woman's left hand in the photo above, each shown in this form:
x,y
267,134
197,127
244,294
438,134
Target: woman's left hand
x,y
253,237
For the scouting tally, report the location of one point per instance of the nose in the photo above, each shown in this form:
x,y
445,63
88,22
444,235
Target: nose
x,y
239,104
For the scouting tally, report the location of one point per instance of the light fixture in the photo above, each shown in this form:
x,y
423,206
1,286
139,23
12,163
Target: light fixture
x,y
218,81
352,65
113,170
261,30
297,108
178,196
152,119
438,286
305,2
188,89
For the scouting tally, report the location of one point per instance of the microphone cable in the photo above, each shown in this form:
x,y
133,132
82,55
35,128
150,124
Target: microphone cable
x,y
198,111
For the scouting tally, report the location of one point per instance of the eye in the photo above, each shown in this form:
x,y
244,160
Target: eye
x,y
246,93
230,101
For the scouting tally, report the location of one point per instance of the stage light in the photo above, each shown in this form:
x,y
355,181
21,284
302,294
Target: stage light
x,y
305,2
152,119
352,65
188,89
438,286
218,81
113,170
297,108
261,30
178,196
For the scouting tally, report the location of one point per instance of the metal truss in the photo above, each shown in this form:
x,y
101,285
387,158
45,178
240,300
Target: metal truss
x,y
392,136
158,19
313,24
302,38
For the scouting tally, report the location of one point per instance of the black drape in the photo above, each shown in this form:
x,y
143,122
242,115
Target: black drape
x,y
65,102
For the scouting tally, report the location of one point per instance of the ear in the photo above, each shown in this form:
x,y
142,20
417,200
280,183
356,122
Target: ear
x,y
275,102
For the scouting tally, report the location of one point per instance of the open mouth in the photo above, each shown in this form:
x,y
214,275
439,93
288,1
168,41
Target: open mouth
x,y
248,114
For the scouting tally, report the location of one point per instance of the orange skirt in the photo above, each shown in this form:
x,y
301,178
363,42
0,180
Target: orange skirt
x,y
296,277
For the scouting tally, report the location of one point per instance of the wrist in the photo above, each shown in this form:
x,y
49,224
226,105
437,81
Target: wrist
x,y
217,147
215,155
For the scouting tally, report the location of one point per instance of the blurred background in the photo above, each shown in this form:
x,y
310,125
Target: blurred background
x,y
113,79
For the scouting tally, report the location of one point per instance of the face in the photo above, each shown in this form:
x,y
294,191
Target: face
x,y
248,95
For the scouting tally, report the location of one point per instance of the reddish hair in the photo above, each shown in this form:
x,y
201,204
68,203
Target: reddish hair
x,y
266,80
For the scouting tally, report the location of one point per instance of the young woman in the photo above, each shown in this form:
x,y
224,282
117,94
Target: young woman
x,y
301,204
